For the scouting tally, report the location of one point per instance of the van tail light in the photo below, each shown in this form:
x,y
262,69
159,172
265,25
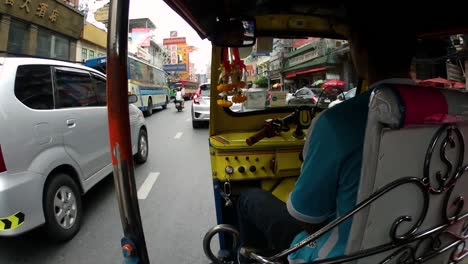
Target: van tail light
x,y
2,162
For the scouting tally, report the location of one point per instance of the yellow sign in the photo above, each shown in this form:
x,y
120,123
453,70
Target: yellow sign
x,y
102,14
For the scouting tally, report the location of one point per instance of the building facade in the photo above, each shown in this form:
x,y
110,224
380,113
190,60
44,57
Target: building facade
x,y
93,43
40,28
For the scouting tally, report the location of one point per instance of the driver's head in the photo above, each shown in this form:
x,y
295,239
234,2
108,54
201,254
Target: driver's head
x,y
382,43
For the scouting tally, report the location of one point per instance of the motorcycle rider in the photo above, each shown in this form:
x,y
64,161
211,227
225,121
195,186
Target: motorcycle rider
x,y
179,96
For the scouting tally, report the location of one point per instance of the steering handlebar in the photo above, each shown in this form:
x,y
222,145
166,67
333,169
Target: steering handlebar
x,y
302,116
270,128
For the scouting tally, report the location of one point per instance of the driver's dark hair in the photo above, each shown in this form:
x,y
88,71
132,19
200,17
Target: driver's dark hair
x,y
387,32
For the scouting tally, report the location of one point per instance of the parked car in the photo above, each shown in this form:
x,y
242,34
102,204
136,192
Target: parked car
x,y
301,96
201,106
343,97
54,143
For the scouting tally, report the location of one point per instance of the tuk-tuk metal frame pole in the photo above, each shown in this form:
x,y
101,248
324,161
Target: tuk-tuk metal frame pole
x,y
133,242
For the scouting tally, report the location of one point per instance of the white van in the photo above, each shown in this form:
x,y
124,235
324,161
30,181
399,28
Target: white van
x,y
54,143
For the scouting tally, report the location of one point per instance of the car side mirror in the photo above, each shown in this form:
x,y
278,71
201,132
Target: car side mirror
x,y
132,98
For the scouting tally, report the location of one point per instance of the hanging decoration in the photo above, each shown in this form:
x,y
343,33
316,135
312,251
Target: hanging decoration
x,y
231,78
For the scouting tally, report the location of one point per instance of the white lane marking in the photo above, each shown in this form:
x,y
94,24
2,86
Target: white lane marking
x,y
178,135
145,188
188,119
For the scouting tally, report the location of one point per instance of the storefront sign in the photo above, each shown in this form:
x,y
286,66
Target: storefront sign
x,y
102,14
303,58
46,13
175,67
172,41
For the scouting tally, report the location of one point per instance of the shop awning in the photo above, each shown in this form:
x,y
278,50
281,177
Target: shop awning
x,y
294,73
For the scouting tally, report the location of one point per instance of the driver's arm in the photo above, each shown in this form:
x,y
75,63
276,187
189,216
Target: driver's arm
x,y
313,199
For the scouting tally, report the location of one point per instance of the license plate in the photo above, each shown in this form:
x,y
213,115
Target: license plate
x,y
327,101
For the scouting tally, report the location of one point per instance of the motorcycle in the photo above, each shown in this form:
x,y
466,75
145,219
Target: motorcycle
x,y
179,105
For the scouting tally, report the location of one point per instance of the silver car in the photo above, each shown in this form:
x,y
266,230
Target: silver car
x,y
201,106
54,143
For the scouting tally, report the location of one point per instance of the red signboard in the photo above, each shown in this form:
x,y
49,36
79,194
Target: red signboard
x,y
173,41
302,42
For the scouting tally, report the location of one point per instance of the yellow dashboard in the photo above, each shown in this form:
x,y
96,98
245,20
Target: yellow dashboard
x,y
270,158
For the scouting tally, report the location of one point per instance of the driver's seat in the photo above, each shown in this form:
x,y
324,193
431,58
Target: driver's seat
x,y
415,147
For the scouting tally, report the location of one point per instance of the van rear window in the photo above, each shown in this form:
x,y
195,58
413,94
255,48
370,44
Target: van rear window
x,y
205,90
33,86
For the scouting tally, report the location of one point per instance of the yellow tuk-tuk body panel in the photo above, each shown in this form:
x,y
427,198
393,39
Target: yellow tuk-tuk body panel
x,y
280,188
269,158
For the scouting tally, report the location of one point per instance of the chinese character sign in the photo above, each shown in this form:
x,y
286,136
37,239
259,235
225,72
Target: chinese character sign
x,y
9,2
25,5
53,17
41,10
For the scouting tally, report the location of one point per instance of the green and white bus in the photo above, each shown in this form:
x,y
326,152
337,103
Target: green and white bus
x,y
146,81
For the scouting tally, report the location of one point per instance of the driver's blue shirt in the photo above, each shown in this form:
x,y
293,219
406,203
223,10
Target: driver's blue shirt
x,y
329,180
327,186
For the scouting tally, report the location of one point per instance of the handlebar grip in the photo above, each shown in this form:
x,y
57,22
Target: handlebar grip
x,y
256,137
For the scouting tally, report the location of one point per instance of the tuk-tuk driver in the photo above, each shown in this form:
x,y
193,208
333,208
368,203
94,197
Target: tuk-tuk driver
x,y
329,179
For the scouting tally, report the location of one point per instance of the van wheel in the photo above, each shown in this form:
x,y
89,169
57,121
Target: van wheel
x,y
62,207
142,154
164,106
149,110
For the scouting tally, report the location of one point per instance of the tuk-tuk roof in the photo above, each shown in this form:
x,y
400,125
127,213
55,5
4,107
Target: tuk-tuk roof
x,y
324,18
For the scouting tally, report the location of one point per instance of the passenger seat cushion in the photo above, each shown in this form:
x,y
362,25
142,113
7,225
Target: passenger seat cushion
x,y
416,105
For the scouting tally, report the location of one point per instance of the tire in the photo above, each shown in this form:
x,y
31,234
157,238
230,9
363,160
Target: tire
x,y
142,154
62,207
164,106
149,110
195,124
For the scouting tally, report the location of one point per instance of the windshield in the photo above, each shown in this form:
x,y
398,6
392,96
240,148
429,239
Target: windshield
x,y
300,71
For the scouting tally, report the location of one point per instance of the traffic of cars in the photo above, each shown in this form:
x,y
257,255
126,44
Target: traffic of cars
x,y
330,94
200,109
54,143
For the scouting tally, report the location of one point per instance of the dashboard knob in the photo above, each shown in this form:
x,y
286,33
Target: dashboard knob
x,y
241,169
252,168
229,170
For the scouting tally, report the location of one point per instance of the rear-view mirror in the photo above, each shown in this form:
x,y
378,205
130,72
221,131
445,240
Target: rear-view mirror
x,y
234,32
132,98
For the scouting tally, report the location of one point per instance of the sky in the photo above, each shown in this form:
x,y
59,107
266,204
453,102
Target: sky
x,y
166,20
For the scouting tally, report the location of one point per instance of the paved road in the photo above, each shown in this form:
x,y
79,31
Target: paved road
x,y
176,213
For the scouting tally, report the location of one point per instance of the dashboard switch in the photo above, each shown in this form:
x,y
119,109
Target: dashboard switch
x,y
229,170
